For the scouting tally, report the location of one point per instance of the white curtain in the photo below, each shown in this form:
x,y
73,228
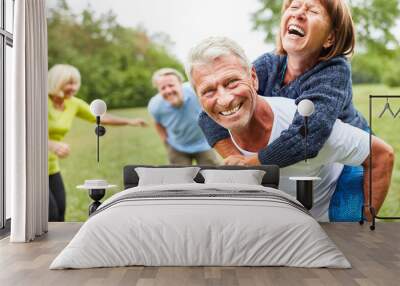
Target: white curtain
x,y
26,124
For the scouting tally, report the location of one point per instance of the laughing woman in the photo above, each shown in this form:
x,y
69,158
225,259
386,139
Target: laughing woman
x,y
310,62
63,83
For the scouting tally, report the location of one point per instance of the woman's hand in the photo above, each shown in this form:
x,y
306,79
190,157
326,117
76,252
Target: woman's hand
x,y
137,122
61,149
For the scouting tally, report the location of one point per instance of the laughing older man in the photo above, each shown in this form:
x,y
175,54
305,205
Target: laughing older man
x,y
226,85
176,109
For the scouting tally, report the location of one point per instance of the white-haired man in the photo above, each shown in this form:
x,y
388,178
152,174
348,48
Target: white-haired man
x,y
176,109
226,85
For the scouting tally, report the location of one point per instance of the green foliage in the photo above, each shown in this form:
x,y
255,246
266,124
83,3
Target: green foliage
x,y
366,68
116,63
373,68
375,21
267,18
391,75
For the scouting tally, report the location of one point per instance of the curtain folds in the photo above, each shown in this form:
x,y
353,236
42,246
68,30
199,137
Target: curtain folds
x,y
26,115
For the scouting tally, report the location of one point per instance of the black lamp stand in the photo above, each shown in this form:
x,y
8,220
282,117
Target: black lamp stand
x,y
100,131
96,195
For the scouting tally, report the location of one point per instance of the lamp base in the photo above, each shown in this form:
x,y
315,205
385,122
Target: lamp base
x,y
96,195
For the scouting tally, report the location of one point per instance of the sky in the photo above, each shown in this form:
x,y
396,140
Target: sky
x,y
187,21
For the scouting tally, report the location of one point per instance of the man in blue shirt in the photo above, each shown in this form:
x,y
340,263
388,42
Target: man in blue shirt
x,y
176,109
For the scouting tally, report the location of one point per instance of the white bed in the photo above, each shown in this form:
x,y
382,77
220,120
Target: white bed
x,y
221,225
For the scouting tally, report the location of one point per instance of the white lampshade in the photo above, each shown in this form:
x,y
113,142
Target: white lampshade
x,y
98,107
305,107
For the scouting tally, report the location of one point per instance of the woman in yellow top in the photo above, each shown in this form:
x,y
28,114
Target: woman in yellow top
x,y
63,83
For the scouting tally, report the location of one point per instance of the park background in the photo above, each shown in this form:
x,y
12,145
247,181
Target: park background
x,y
117,61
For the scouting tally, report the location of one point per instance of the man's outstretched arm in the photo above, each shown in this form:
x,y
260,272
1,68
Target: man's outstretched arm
x,y
381,172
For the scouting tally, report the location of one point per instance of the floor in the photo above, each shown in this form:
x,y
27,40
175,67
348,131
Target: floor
x,y
374,255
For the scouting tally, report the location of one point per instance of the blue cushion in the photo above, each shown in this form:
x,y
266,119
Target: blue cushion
x,y
348,199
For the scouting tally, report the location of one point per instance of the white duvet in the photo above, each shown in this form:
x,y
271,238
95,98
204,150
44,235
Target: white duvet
x,y
190,230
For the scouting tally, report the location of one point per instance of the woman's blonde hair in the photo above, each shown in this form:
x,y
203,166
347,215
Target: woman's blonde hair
x,y
59,75
342,25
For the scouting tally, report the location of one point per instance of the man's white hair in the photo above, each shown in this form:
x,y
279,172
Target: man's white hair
x,y
212,48
163,72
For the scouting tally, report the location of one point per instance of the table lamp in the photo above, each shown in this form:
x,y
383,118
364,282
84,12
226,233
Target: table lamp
x,y
97,187
304,185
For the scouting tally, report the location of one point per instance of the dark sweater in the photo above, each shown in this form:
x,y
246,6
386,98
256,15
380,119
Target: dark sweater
x,y
328,85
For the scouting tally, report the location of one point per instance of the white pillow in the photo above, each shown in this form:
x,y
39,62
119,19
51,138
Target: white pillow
x,y
165,176
248,177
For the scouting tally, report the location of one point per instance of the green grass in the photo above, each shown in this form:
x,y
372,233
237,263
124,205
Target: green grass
x,y
129,145
119,147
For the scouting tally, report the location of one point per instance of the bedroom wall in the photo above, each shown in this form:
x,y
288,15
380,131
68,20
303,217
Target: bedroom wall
x,y
175,34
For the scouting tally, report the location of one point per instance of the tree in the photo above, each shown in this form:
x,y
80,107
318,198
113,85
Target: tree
x,y
116,62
